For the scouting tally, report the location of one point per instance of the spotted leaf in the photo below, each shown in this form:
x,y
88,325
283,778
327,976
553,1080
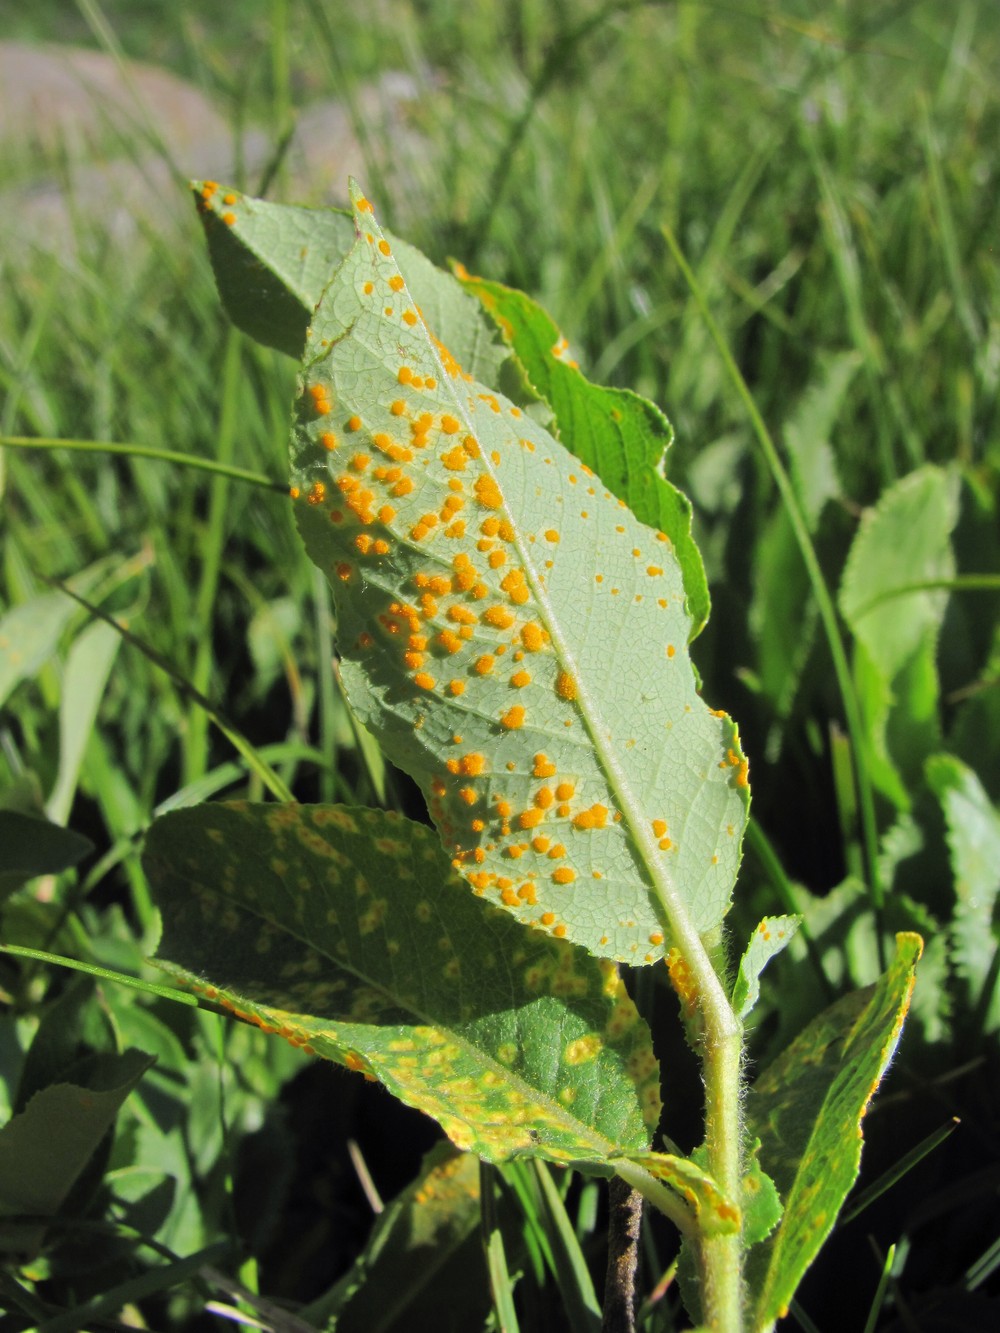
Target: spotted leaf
x,y
347,932
272,263
807,1109
511,633
621,435
770,937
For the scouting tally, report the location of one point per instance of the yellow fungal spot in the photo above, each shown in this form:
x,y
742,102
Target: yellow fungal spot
x,y
468,795
488,493
456,687
565,791
547,918
543,798
519,679
530,818
328,440
384,248
496,559
425,681
482,666
533,637
595,817
541,843
565,685
513,718
653,570
396,283
564,875
551,535
499,617
544,767
659,827
656,937
450,425
353,423
670,650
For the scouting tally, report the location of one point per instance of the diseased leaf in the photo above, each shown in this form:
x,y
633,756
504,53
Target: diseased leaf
x,y
425,1242
974,843
272,264
271,261
347,932
770,937
512,635
619,434
807,1109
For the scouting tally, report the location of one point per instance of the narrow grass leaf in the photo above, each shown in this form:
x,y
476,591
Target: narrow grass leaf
x,y
619,434
513,636
347,932
88,666
807,1109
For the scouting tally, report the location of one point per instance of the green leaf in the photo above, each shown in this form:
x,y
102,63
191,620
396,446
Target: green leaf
x,y
347,932
974,845
88,666
34,847
905,539
619,434
807,1109
511,634
425,1242
45,1147
29,635
770,937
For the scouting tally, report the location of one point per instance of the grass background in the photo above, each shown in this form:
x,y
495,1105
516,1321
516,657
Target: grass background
x,y
831,173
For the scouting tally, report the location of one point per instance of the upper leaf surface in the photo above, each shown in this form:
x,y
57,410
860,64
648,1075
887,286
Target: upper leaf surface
x,y
904,539
513,636
347,932
807,1109
621,435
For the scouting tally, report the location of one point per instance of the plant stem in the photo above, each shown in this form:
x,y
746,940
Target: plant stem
x,y
722,1256
624,1222
145,451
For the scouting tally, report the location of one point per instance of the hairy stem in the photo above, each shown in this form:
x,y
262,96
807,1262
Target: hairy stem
x,y
624,1222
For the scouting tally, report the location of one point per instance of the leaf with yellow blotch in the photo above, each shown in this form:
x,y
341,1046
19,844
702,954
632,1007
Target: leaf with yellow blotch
x,y
513,636
807,1108
347,932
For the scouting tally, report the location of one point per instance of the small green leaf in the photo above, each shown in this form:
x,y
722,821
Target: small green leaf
x,y
45,1147
807,1109
974,844
29,635
511,634
347,932
770,937
619,434
716,1215
34,847
905,539
761,1203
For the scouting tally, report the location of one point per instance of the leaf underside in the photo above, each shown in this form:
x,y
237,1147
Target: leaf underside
x,y
347,932
512,635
